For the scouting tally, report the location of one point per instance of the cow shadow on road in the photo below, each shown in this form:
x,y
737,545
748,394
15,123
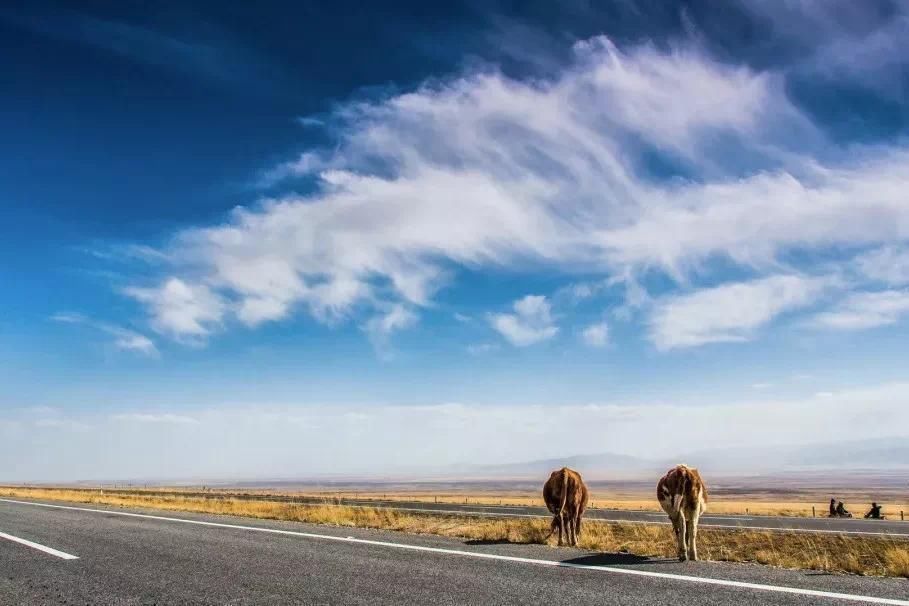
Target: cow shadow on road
x,y
616,559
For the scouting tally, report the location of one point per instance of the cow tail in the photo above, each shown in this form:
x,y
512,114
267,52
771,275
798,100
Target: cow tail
x,y
564,490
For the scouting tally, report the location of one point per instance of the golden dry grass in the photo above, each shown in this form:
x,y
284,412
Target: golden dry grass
x,y
832,553
803,504
752,504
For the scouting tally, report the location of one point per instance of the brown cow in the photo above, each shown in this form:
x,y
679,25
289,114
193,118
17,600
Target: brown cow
x,y
566,495
683,495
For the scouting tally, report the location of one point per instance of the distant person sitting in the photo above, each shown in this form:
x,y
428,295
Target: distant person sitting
x,y
874,513
832,508
841,511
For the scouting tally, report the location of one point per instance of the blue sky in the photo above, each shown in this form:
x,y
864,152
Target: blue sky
x,y
411,232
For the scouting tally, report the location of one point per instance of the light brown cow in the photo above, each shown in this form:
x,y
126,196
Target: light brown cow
x,y
566,496
683,495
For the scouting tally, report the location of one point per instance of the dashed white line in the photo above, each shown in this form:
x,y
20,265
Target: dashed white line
x,y
39,547
492,556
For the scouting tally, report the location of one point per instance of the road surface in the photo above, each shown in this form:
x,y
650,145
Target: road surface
x,y
58,553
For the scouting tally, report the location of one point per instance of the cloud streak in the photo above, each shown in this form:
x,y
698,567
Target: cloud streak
x,y
729,313
123,338
866,310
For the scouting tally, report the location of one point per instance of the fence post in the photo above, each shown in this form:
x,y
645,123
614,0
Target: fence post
x,y
813,512
901,516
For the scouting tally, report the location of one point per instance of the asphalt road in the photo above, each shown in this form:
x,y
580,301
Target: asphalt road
x,y
826,525
152,557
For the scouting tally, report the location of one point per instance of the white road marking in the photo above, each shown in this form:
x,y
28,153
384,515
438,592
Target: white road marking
x,y
492,556
39,547
704,519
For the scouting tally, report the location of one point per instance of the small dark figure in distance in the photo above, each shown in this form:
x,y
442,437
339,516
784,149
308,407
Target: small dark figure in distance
x,y
874,513
841,511
832,508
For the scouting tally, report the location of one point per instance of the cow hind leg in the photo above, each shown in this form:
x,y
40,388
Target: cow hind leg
x,y
561,527
681,536
693,535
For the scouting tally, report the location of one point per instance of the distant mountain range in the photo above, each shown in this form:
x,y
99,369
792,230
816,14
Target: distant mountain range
x,y
886,454
594,466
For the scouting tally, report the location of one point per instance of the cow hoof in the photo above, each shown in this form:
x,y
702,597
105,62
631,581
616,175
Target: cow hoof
x,y
683,558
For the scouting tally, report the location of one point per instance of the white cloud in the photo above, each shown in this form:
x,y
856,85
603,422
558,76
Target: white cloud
x,y
487,171
888,264
731,312
596,335
124,338
181,309
866,310
530,323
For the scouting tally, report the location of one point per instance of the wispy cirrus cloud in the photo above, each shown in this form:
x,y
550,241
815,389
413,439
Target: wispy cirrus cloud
x,y
381,327
205,53
123,338
889,264
863,310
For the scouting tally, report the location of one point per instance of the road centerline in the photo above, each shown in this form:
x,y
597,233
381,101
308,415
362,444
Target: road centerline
x,y
49,550
491,556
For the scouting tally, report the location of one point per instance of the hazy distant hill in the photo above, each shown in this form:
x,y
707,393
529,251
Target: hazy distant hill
x,y
882,454
886,454
594,466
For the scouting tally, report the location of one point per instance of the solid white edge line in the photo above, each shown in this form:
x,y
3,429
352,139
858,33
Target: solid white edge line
x,y
492,556
39,547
